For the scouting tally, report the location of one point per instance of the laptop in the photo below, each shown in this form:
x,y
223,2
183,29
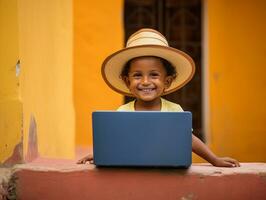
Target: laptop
x,y
142,138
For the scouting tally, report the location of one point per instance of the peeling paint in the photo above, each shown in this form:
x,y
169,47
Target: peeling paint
x,y
217,173
16,157
189,196
201,178
18,68
263,175
216,76
32,152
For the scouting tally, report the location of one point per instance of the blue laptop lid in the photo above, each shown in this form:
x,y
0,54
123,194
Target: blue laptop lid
x,y
142,138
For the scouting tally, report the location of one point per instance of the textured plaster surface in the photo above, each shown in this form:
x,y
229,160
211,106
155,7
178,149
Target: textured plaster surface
x,y
42,164
32,152
66,180
16,156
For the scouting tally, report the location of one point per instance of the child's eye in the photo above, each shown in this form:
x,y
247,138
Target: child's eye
x,y
136,75
155,75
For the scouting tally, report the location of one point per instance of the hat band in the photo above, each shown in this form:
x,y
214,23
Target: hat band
x,y
146,40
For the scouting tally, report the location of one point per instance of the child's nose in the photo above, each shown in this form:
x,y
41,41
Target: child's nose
x,y
145,80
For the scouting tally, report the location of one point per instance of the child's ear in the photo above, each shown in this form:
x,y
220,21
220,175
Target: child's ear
x,y
168,81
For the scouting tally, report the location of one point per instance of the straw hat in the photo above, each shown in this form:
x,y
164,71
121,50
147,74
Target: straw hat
x,y
147,42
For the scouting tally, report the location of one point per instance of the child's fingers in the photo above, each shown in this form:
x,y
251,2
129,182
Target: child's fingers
x,y
228,164
233,162
236,163
80,162
88,158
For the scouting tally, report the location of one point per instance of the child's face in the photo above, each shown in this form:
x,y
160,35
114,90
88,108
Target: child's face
x,y
147,78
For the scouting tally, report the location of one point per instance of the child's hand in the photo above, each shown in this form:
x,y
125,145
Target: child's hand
x,y
88,158
226,162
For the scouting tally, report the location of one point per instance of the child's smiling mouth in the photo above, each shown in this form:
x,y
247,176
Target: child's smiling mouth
x,y
147,89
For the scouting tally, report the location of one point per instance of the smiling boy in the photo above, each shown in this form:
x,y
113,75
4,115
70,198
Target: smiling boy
x,y
148,69
147,78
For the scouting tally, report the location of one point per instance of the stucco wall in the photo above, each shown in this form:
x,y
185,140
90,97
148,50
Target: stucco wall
x,y
61,45
98,32
45,46
10,104
236,67
235,72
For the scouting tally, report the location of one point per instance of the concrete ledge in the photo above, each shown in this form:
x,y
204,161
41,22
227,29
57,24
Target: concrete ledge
x,y
63,180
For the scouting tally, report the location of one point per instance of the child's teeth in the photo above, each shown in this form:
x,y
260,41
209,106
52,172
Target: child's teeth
x,y
147,90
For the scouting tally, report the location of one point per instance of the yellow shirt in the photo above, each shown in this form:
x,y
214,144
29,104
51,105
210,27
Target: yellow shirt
x,y
167,106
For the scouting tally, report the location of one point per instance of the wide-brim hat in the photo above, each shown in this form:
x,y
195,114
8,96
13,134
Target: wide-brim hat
x,y
147,42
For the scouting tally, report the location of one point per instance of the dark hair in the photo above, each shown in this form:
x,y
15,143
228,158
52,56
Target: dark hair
x,y
170,70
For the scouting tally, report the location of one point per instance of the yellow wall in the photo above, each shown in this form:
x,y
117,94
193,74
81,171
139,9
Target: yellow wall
x,y
235,67
237,50
45,44
61,61
10,105
98,31
40,34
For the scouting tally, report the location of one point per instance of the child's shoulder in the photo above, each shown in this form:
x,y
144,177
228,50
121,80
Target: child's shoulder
x,y
127,107
169,106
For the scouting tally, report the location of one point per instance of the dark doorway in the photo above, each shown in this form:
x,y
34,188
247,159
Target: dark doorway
x,y
180,22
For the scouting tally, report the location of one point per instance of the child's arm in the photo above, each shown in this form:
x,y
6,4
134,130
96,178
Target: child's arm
x,y
87,158
203,151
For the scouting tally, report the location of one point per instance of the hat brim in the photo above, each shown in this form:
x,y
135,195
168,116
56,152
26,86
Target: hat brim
x,y
113,65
